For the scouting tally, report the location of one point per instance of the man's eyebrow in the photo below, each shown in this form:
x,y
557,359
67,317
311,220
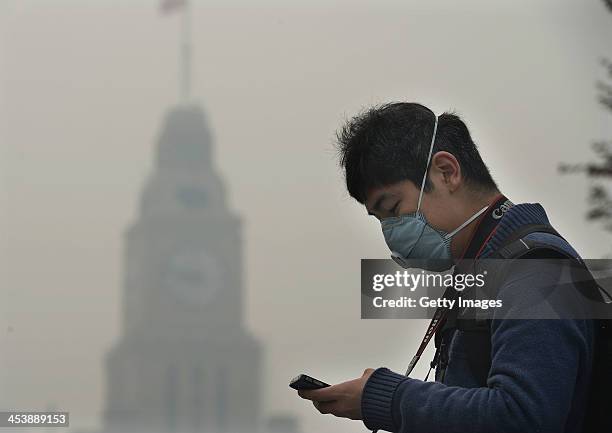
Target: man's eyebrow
x,y
378,202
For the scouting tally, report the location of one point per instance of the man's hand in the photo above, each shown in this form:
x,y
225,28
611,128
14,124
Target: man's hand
x,y
343,399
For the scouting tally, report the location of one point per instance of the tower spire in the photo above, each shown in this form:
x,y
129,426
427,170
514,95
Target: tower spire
x,y
185,45
185,78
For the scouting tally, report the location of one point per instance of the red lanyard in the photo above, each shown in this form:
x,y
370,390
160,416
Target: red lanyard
x,y
435,323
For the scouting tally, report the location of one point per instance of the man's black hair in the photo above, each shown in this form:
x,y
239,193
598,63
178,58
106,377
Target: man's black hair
x,y
390,143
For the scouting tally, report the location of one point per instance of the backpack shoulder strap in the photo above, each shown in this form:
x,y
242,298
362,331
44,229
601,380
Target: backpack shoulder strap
x,y
521,247
516,246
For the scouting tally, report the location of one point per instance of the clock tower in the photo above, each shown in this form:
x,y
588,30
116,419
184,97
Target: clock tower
x,y
185,361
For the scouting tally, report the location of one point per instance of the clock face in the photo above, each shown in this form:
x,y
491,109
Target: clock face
x,y
192,277
191,197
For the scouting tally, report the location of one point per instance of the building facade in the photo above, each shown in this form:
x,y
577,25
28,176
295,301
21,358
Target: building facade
x,y
185,361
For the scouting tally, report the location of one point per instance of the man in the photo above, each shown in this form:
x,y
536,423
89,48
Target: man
x,y
423,178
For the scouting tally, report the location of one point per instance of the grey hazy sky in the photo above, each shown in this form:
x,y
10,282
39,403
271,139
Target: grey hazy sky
x,y
84,86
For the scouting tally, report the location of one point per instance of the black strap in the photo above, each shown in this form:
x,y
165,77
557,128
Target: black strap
x,y
584,281
487,224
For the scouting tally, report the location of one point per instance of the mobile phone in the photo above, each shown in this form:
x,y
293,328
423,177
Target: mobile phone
x,y
303,381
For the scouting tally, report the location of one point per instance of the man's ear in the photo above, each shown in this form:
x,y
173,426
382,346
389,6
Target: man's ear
x,y
447,169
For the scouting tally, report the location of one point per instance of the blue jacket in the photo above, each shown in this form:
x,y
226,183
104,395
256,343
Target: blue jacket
x,y
534,379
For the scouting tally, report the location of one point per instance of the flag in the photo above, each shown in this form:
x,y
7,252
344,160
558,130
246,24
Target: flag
x,y
168,6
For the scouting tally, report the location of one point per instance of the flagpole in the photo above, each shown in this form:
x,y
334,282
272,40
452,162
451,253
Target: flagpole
x,y
185,50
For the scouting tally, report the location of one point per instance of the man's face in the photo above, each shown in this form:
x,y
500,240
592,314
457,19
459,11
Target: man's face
x,y
402,197
444,206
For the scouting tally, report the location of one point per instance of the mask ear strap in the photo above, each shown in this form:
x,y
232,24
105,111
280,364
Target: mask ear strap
x,y
470,219
431,146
